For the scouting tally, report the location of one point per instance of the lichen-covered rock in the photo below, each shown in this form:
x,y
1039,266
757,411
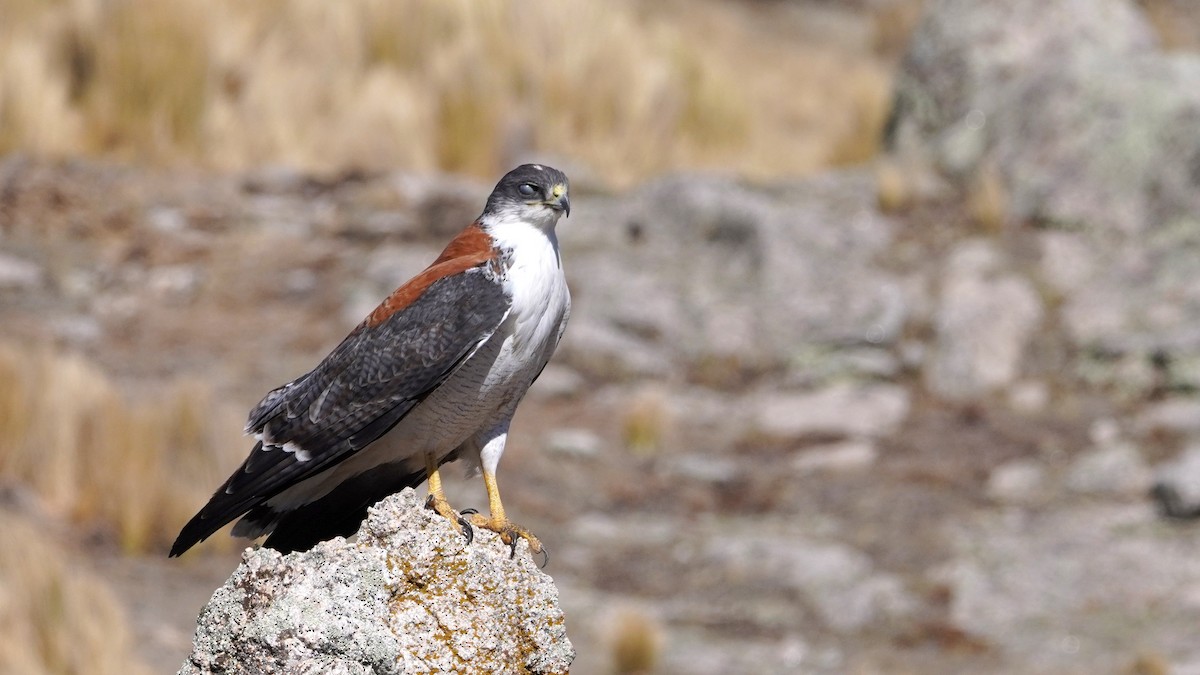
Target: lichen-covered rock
x,y
1088,123
702,270
411,596
985,321
1094,132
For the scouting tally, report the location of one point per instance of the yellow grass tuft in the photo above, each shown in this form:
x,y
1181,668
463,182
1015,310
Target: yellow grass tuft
x,y
894,189
893,24
636,643
646,422
987,199
630,88
54,617
1171,20
97,455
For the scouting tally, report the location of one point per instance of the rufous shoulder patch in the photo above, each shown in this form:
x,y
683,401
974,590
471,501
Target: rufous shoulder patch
x,y
472,247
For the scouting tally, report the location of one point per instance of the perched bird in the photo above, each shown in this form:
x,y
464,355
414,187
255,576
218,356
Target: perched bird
x,y
434,374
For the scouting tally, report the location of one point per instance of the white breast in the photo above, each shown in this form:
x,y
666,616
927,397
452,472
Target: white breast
x,y
487,388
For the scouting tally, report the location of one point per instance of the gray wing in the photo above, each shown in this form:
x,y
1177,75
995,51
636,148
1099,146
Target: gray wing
x,y
357,393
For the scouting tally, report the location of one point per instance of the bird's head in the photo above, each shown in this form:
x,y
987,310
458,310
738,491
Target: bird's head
x,y
534,193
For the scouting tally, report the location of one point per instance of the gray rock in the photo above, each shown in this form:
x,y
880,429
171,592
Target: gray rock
x,y
574,442
1180,478
985,321
840,410
840,581
1092,129
845,456
1029,397
966,56
704,468
1020,481
19,274
178,282
821,365
606,352
1066,590
558,381
1130,294
719,271
1178,415
410,597
717,653
441,203
1115,468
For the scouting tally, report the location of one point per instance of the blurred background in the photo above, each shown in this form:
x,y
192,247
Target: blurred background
x,y
885,355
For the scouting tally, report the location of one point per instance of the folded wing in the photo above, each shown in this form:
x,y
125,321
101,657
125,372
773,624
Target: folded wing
x,y
379,373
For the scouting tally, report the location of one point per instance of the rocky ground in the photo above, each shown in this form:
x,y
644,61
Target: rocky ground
x,y
893,419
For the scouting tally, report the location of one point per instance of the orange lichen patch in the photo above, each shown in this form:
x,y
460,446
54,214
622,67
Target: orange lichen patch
x,y
472,247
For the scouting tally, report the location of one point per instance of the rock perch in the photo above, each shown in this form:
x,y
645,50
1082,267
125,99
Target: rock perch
x,y
411,596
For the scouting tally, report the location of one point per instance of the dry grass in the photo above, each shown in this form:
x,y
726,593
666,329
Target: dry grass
x,y
987,199
637,643
95,455
629,88
56,619
646,422
1177,22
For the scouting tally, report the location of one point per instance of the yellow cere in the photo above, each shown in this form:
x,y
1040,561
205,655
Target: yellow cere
x,y
559,190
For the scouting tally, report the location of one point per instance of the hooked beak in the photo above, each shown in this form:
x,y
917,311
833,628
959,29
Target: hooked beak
x,y
561,203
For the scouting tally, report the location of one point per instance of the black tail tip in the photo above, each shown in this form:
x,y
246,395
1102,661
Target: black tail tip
x,y
179,548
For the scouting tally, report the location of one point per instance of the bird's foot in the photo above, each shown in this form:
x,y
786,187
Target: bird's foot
x,y
442,508
509,533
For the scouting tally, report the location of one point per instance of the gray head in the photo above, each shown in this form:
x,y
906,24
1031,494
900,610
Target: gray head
x,y
535,191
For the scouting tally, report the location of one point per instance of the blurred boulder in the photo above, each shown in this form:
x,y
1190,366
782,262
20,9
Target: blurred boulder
x,y
1113,466
969,63
1177,485
1020,481
843,456
410,596
841,410
1015,576
724,274
839,581
1095,133
19,274
985,321
1175,415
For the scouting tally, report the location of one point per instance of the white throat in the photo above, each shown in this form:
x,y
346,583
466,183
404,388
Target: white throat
x,y
524,236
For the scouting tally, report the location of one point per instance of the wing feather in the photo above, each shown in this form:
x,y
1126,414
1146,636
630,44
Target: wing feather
x,y
363,388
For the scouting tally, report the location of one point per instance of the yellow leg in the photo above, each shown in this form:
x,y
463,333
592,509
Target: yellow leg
x,y
437,499
499,523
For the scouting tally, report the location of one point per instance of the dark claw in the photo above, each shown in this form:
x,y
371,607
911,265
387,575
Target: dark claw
x,y
466,512
429,502
545,558
468,531
512,546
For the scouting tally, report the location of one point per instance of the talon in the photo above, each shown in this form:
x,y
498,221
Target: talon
x,y
441,507
467,512
497,522
545,558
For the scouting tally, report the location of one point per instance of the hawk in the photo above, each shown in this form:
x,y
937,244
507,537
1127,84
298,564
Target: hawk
x,y
432,375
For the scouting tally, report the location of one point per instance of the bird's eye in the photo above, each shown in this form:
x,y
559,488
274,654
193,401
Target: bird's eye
x,y
527,189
